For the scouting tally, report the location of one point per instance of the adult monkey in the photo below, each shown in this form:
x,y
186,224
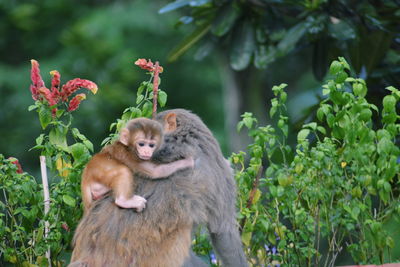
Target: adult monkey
x,y
161,234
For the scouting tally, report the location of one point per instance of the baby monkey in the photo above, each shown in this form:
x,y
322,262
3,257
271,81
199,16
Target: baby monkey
x,y
113,167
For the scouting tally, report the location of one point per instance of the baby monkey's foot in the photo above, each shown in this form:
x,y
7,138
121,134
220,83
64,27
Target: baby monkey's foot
x,y
136,202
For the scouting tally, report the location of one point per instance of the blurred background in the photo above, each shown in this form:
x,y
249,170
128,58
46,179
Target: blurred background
x,y
221,58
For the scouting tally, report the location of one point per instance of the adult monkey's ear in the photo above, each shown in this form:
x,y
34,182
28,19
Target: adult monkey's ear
x,y
124,136
170,122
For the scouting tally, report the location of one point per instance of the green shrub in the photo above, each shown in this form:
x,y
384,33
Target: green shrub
x,y
334,192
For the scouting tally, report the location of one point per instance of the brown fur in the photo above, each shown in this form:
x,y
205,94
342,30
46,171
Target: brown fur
x,y
160,235
112,167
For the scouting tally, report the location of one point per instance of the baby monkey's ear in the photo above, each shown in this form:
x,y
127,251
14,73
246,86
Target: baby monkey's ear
x,y
170,122
124,136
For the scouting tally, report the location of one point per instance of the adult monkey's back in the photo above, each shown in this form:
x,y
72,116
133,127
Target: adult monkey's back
x,y
161,234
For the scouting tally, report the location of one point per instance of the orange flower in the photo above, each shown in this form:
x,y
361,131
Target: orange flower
x,y
73,85
74,103
142,63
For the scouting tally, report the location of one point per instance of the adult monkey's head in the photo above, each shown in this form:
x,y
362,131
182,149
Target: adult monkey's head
x,y
184,133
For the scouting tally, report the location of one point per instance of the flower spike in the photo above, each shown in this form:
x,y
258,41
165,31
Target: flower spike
x,y
37,81
148,65
55,85
74,103
73,85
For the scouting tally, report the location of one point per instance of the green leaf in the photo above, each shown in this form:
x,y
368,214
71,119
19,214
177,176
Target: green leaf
x,y
321,130
355,212
45,117
204,49
384,146
225,20
139,99
240,126
342,30
359,89
272,111
174,5
248,122
89,145
189,41
70,201
79,152
311,125
243,46
257,196
302,135
365,115
39,139
389,103
246,238
283,97
57,137
162,98
127,116
291,38
147,109
335,67
264,56
141,88
341,77
32,107
389,242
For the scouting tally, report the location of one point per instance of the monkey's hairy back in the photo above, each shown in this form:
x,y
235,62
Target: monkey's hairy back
x,y
112,157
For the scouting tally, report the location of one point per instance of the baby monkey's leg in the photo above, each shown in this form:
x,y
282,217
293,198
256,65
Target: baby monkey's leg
x,y
123,191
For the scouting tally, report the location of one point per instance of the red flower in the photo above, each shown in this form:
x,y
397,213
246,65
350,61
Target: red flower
x,y
54,95
65,227
37,81
142,63
47,95
55,85
73,85
16,163
74,103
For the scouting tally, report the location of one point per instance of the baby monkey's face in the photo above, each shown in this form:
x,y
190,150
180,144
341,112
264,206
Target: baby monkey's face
x,y
145,145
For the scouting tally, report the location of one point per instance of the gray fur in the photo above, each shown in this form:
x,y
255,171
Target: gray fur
x,y
215,178
205,195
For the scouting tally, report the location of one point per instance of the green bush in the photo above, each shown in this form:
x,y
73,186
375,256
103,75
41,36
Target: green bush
x,y
334,192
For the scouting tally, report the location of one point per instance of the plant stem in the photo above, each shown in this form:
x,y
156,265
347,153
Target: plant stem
x,y
155,88
46,200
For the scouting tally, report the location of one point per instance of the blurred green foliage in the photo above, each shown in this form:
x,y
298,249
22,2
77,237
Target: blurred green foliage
x,y
100,41
261,31
270,41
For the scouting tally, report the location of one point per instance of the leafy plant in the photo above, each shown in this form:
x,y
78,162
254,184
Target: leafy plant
x,y
23,195
336,190
24,223
146,103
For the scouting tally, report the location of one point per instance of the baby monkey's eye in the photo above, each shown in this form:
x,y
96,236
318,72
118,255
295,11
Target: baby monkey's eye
x,y
152,145
141,144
